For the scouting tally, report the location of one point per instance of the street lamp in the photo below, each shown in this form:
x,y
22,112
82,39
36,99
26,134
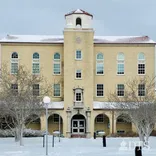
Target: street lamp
x,y
46,101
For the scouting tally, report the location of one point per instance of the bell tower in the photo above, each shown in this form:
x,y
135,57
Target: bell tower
x,y
79,19
79,66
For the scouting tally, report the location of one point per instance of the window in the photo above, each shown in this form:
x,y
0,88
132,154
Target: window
x,y
120,89
141,90
100,118
14,63
14,89
78,21
56,118
141,63
120,64
78,97
57,91
36,64
78,55
78,74
99,90
57,64
36,90
99,64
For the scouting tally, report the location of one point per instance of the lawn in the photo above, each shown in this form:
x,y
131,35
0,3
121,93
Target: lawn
x,y
75,147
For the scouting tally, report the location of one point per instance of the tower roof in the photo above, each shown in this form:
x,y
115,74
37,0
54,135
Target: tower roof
x,y
79,11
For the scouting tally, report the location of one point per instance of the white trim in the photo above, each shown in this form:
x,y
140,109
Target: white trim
x,y
76,72
35,63
75,96
140,62
60,90
119,61
81,55
96,90
55,61
117,90
99,61
15,62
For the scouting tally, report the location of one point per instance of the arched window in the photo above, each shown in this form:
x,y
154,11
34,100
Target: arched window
x,y
120,64
57,64
78,22
99,64
141,63
36,63
14,63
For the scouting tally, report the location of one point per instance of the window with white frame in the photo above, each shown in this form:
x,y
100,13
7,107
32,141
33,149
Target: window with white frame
x,y
36,90
36,64
100,118
141,63
141,90
120,90
14,63
14,89
100,90
99,64
78,97
57,90
78,55
120,64
78,74
57,64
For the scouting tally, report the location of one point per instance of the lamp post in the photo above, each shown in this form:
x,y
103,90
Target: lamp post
x,y
46,101
59,127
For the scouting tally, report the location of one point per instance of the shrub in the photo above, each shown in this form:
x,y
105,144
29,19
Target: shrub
x,y
26,133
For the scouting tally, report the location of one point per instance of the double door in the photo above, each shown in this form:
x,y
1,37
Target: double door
x,y
78,126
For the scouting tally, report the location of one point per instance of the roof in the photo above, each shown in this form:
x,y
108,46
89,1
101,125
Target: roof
x,y
56,105
79,11
60,39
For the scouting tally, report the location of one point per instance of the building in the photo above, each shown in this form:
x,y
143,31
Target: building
x,y
86,68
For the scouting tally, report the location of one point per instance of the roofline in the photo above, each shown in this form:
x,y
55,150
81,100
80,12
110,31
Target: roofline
x,y
63,43
84,12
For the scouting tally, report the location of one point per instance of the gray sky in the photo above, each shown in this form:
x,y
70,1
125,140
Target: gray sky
x,y
111,17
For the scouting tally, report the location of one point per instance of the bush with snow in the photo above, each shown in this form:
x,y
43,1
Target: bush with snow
x,y
26,133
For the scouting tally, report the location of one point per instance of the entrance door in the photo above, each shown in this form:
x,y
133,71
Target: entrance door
x,y
78,126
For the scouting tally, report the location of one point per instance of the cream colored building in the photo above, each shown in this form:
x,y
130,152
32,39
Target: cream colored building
x,y
83,69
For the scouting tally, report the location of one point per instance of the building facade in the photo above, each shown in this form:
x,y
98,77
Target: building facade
x,y
83,69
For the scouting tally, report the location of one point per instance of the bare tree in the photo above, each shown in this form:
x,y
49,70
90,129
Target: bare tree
x,y
21,96
139,102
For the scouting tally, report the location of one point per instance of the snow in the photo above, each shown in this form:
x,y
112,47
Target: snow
x,y
78,11
60,39
74,147
56,105
104,105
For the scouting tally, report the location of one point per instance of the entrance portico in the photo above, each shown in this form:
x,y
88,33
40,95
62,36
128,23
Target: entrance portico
x,y
78,125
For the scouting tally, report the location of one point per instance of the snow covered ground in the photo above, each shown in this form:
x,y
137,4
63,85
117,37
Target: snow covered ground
x,y
74,147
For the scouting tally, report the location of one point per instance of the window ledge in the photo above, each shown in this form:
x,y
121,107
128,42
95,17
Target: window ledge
x,y
78,104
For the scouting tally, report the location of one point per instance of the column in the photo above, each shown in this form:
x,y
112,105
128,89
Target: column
x,y
88,125
68,132
43,122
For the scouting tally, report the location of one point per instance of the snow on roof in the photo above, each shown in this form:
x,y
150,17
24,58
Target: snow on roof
x,y
56,105
33,39
60,39
105,105
78,11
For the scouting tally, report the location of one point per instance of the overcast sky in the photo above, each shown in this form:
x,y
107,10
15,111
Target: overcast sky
x,y
111,17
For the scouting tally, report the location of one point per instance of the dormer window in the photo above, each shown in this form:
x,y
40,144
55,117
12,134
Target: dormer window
x,y
78,97
78,22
